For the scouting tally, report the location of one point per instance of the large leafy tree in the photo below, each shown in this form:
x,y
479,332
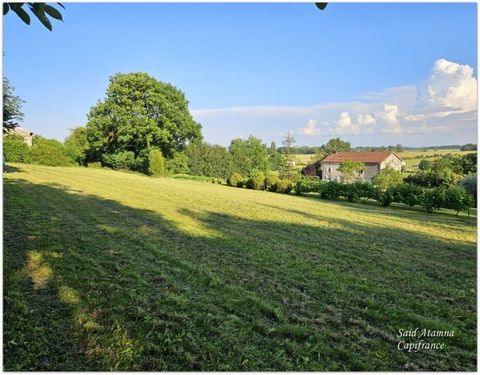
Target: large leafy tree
x,y
336,145
12,107
248,155
139,112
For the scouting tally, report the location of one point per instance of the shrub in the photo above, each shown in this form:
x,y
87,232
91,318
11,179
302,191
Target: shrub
x,y
284,186
256,181
458,199
271,181
156,163
94,164
308,185
332,190
178,164
433,199
120,160
385,198
469,183
408,194
236,180
48,152
15,150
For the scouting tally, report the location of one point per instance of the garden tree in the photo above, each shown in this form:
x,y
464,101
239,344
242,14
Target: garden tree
x,y
424,164
76,145
387,178
468,163
350,170
208,160
40,10
248,155
443,171
138,113
288,152
275,159
469,183
336,145
458,199
12,107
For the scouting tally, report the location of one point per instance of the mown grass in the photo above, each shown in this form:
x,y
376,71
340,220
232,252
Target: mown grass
x,y
106,270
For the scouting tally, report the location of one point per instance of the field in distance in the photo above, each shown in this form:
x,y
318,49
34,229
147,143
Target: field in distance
x,y
106,270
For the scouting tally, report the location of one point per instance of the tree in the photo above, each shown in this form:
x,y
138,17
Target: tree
x,y
468,147
15,150
48,152
12,107
138,113
387,178
39,10
469,183
468,163
288,157
349,170
399,148
156,163
424,164
336,145
76,145
209,160
248,155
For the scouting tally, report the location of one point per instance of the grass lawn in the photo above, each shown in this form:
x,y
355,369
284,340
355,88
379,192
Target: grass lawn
x,y
107,270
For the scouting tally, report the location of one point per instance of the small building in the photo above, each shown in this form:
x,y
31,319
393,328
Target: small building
x,y
24,133
373,161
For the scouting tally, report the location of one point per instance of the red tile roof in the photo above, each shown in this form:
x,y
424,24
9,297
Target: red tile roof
x,y
364,157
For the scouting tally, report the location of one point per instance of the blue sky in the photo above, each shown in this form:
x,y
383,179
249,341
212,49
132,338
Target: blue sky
x,y
370,73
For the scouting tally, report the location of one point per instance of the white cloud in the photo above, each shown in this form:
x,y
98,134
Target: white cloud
x,y
310,128
445,102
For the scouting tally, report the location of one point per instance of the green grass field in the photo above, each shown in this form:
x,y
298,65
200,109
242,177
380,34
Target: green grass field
x,y
107,270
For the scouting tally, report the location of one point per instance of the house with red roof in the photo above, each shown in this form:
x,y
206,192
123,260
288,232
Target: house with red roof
x,y
373,162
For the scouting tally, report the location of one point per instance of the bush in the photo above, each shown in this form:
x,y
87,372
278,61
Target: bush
x,y
284,186
156,163
387,178
332,190
307,185
271,181
469,183
236,180
458,199
385,197
408,194
178,164
256,181
48,152
120,160
15,150
94,164
433,199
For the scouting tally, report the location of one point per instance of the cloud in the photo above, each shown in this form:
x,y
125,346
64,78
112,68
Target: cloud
x,y
444,102
310,128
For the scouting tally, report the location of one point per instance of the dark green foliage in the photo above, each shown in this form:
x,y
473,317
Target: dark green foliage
x,y
468,147
445,171
468,163
76,145
48,152
139,112
248,155
407,194
308,185
336,145
40,10
236,180
287,171
434,199
15,149
256,181
332,190
208,160
120,160
178,164
469,183
156,163
424,164
458,199
12,107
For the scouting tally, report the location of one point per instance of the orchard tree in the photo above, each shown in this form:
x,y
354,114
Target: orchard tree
x,y
387,178
350,170
12,107
138,113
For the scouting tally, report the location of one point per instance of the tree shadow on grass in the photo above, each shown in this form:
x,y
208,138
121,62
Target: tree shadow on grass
x,y
93,284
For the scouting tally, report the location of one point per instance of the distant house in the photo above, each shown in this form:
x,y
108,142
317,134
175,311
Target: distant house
x,y
24,133
373,161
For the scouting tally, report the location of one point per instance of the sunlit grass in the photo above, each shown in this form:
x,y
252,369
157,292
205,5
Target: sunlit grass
x,y
107,270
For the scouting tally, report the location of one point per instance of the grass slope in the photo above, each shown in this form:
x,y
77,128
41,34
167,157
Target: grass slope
x,y
106,270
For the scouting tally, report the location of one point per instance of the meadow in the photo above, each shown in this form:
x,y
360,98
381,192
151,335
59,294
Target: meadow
x,y
106,270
